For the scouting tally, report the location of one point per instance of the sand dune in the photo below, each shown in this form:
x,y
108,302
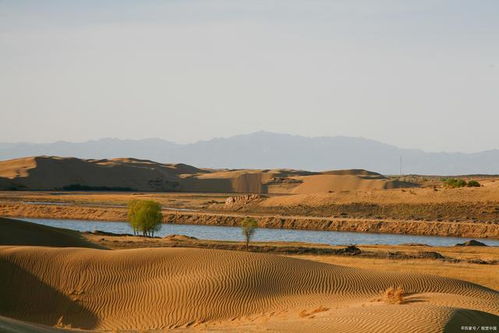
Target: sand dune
x,y
16,232
48,172
329,183
58,173
174,287
346,180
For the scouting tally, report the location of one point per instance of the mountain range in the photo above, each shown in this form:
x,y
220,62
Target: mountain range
x,y
261,150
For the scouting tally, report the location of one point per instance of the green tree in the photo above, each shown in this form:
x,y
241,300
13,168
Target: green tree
x,y
145,217
248,226
132,212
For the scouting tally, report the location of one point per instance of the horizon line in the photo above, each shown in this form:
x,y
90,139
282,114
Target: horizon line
x,y
243,134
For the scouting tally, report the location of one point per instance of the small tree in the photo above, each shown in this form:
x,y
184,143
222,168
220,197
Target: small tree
x,y
249,226
144,216
132,212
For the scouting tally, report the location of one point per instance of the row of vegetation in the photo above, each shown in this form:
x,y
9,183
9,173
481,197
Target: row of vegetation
x,y
145,218
79,187
455,183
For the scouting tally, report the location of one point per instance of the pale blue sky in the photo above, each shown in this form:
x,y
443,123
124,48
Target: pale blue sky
x,y
416,74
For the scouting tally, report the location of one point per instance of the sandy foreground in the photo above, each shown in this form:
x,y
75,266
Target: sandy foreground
x,y
188,289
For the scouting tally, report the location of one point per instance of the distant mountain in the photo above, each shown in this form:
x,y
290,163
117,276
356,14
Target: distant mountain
x,y
271,150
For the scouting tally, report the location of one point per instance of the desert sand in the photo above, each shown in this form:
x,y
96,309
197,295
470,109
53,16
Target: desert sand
x,y
476,264
169,288
164,288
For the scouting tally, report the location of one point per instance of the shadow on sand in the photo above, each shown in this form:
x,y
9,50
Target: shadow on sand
x,y
25,297
466,317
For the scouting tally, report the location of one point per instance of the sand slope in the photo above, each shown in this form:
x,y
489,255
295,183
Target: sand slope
x,y
16,232
175,287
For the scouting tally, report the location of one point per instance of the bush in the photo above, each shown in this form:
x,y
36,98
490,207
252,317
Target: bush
x,y
144,216
248,226
394,295
79,187
473,183
453,182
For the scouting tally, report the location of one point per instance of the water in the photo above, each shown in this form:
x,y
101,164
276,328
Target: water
x,y
234,233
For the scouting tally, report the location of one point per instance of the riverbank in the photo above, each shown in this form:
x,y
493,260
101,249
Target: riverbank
x,y
425,228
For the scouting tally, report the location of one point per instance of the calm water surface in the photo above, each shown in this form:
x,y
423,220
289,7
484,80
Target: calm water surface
x,y
234,233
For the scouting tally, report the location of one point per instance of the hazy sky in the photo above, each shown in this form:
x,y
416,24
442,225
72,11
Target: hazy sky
x,y
416,74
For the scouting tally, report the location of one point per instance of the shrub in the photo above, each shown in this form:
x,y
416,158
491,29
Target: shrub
x,y
249,226
453,182
79,187
473,183
144,216
310,314
394,295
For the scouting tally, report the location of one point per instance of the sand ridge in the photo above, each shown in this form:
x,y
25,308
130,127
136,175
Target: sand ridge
x,y
177,287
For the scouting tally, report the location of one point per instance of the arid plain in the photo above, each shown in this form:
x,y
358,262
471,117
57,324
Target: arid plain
x,y
105,282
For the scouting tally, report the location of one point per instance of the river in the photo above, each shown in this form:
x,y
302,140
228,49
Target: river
x,y
288,235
